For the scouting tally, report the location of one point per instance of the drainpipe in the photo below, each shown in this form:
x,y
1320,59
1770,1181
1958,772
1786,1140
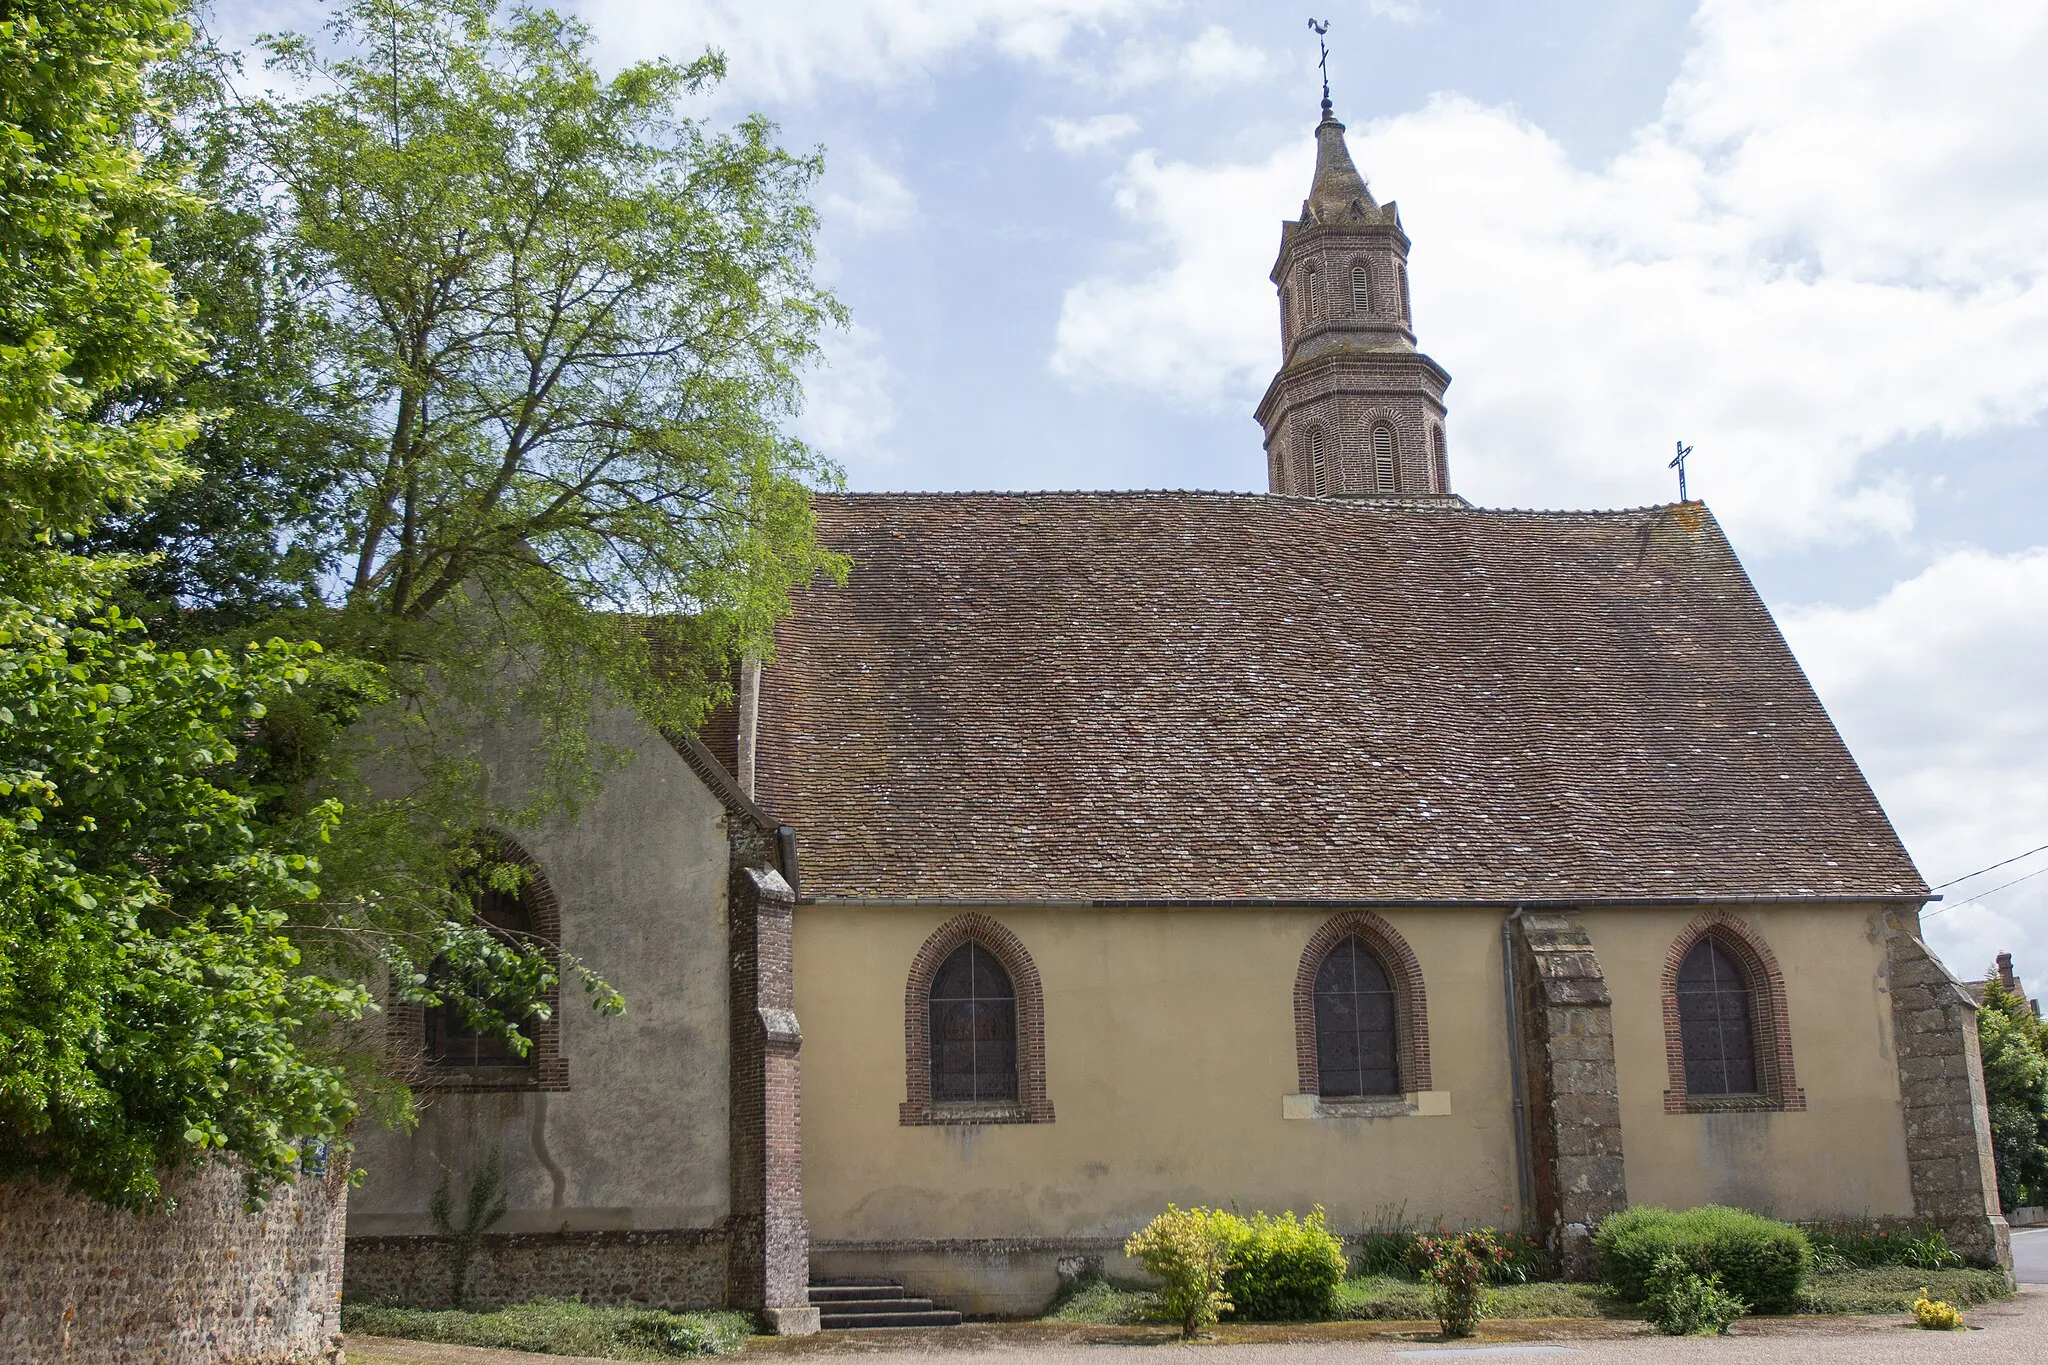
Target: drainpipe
x,y
1507,976
749,722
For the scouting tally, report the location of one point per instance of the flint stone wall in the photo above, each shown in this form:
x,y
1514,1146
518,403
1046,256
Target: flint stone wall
x,y
681,1269
205,1284
1941,1091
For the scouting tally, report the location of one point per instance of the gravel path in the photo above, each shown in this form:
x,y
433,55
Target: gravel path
x,y
2006,1333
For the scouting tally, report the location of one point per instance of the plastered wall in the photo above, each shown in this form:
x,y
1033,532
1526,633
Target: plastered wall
x,y
1170,1048
1845,1155
639,1140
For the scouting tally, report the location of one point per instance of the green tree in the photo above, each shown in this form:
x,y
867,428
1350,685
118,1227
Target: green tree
x,y
571,320
152,1006
2014,1044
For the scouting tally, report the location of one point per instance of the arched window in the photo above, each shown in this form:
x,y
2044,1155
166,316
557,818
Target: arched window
x,y
1361,289
1383,470
1357,1036
974,1028
447,1051
1318,463
1401,275
1314,282
451,1041
1439,463
1361,1016
1714,1022
1726,1037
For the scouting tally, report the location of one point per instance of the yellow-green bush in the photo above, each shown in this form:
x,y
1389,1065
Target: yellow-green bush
x,y
1283,1268
1188,1250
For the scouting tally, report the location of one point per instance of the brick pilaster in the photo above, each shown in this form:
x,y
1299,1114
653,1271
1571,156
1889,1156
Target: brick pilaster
x,y
1941,1096
1574,1102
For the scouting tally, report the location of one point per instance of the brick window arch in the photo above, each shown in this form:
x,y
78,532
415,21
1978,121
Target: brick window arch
x,y
1318,463
439,1050
1439,463
1313,279
1727,1044
1390,953
942,955
1361,288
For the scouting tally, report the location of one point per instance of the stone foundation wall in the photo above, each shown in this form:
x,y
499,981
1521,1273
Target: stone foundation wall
x,y
204,1284
681,1268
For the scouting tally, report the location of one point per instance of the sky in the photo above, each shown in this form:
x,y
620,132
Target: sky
x,y
1807,237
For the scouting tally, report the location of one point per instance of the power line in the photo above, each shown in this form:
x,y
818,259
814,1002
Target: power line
x,y
1993,868
1993,891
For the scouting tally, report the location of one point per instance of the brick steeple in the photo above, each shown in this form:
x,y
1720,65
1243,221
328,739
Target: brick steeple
x,y
1355,408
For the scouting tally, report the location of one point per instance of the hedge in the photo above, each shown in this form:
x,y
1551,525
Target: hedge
x,y
1761,1261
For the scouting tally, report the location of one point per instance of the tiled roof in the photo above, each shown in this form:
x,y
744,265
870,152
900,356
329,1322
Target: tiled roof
x,y
1201,696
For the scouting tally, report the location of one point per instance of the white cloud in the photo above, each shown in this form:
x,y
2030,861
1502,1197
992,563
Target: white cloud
x,y
849,404
867,197
784,50
1826,243
1216,57
1078,136
1937,688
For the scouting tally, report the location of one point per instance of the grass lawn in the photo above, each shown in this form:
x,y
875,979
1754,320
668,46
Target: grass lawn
x,y
560,1327
1379,1298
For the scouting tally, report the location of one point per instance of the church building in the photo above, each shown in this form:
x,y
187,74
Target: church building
x,y
1342,845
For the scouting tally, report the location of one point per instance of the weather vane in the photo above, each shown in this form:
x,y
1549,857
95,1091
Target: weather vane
x,y
1320,27
1678,463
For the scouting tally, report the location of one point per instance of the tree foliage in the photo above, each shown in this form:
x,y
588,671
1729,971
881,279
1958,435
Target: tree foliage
x,y
152,1006
2014,1044
467,365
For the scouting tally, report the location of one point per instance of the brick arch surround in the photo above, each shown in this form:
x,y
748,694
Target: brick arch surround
x,y
546,1068
1404,973
1032,1104
1770,1031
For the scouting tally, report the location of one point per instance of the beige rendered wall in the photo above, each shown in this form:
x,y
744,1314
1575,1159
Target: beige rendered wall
x,y
1170,1045
1846,1154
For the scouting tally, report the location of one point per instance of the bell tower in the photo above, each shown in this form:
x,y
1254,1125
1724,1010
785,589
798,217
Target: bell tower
x,y
1355,409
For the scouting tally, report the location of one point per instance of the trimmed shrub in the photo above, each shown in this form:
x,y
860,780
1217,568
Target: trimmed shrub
x,y
1760,1260
1188,1250
1281,1269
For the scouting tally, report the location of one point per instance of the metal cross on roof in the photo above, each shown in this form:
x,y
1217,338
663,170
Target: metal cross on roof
x,y
1678,463
1321,27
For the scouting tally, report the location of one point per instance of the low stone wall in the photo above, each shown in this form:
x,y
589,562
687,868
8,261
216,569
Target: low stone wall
x,y
204,1284
679,1268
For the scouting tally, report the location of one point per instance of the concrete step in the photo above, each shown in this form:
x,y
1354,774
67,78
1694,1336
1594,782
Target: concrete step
x,y
845,1307
852,1293
938,1317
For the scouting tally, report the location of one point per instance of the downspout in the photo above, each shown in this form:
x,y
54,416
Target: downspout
x,y
1507,976
749,722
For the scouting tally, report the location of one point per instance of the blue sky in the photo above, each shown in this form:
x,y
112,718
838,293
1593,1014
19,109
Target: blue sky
x,y
1806,237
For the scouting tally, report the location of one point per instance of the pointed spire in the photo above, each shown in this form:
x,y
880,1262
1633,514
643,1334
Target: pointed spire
x,y
1338,186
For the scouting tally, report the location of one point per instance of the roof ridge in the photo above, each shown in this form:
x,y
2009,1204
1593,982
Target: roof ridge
x,y
1429,502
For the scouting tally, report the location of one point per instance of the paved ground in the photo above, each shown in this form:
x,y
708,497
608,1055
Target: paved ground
x,y
2030,1259
2005,1333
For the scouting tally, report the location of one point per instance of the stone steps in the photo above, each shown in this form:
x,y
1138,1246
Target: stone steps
x,y
844,1307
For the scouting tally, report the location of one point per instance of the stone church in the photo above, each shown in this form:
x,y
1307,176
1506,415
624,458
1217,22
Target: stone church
x,y
1345,844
